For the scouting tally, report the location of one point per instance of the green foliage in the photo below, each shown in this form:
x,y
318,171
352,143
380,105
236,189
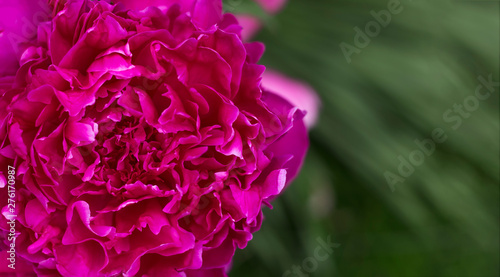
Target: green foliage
x,y
444,219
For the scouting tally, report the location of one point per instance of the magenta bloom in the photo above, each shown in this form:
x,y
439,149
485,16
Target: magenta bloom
x,y
143,142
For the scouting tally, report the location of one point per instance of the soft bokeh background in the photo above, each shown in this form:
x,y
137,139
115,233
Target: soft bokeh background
x,y
444,219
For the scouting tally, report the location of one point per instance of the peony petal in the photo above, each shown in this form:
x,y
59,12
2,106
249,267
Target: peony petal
x,y
16,140
19,22
84,259
251,25
207,12
299,94
81,133
296,136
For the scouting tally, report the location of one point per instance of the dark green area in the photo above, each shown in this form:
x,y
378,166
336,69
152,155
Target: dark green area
x,y
444,219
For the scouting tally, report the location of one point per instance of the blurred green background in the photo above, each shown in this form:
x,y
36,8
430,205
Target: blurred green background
x,y
444,219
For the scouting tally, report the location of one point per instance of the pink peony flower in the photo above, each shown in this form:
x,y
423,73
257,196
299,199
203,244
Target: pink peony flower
x,y
143,142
